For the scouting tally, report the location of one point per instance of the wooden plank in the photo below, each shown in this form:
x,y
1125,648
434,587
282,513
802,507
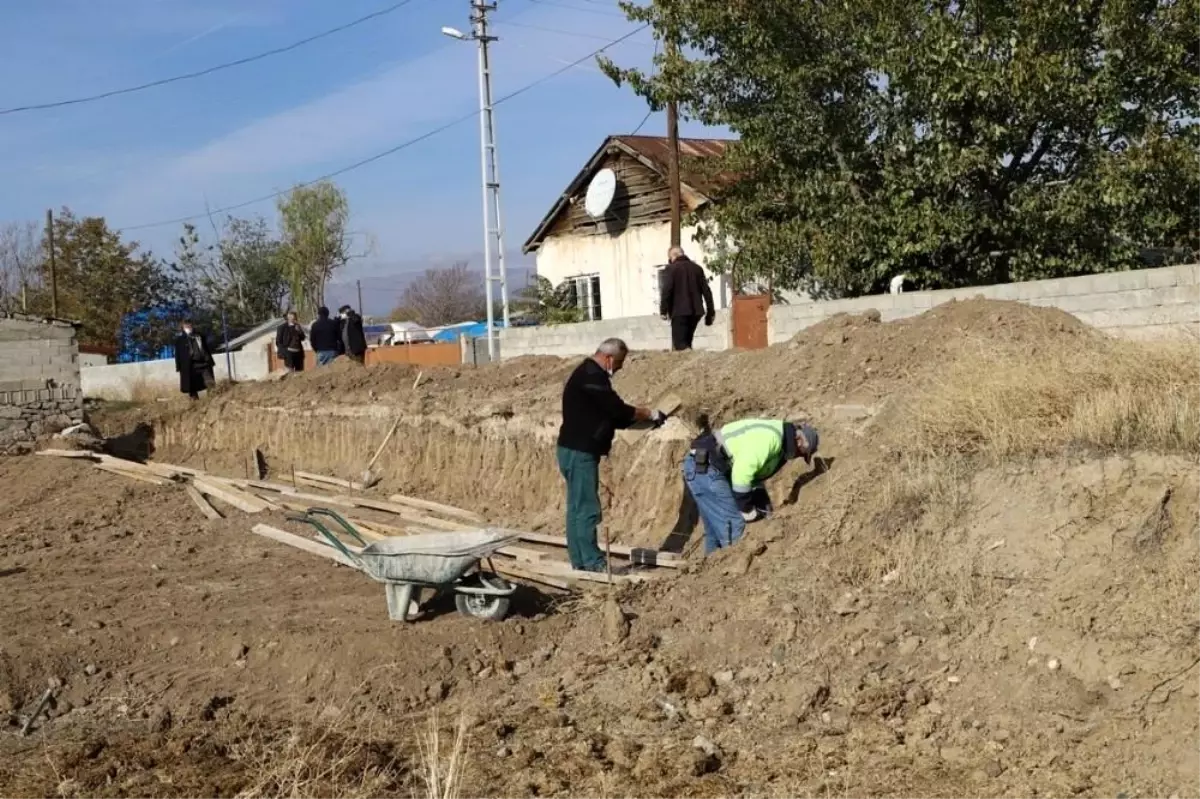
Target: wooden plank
x,y
67,453
145,478
237,498
437,507
320,478
299,542
202,503
669,560
565,572
517,573
407,513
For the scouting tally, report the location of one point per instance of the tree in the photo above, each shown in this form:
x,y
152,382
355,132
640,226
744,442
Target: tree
x,y
548,304
242,274
101,278
960,142
313,222
20,262
443,297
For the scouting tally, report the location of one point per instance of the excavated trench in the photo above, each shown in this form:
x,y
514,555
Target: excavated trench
x,y
500,466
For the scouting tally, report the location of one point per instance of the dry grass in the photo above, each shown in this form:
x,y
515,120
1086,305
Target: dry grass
x,y
141,392
1108,395
441,770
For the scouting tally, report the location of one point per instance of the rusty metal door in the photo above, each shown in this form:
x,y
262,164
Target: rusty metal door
x,y
750,321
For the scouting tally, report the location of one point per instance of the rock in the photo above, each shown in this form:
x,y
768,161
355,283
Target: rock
x,y
953,679
503,752
778,653
787,609
872,315
723,677
616,623
7,703
520,668
705,745
834,338
622,752
698,685
90,669
1114,682
917,696
55,683
952,754
909,645
175,640
239,652
96,624
1000,736
1053,664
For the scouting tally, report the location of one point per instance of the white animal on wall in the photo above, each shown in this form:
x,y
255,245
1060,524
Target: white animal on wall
x,y
897,285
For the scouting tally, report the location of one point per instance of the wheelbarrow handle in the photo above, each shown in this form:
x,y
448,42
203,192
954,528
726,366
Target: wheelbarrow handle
x,y
336,542
341,520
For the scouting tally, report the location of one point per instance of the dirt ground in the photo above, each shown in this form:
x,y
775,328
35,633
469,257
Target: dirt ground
x,y
1016,627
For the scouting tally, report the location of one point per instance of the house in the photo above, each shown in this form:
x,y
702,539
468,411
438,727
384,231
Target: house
x,y
39,379
613,259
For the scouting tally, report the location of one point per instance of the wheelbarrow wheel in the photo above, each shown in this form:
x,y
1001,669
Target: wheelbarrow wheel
x,y
487,608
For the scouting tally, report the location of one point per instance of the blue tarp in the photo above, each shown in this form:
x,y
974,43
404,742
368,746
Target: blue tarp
x,y
468,329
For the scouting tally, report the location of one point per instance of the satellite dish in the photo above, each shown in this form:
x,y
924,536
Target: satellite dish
x,y
600,193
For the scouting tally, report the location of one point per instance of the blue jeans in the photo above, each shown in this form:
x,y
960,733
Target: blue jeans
x,y
325,357
723,522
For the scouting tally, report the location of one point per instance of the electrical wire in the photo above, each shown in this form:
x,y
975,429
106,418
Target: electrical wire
x,y
613,13
556,30
391,150
209,70
650,110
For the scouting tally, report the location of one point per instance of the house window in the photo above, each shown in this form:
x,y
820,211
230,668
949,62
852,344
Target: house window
x,y
585,291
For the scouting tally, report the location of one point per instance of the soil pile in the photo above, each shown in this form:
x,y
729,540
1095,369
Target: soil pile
x,y
904,626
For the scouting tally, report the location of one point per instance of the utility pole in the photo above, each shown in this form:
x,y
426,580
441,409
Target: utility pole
x,y
673,138
358,285
53,269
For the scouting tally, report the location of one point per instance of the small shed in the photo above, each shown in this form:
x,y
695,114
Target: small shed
x,y
39,379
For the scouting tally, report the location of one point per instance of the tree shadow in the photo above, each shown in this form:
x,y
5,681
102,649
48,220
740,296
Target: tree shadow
x,y
821,466
136,445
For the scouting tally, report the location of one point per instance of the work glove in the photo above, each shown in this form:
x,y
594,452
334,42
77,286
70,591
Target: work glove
x,y
658,418
751,515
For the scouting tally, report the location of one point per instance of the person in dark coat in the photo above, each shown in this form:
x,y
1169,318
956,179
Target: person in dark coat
x,y
193,361
685,298
325,337
289,343
354,340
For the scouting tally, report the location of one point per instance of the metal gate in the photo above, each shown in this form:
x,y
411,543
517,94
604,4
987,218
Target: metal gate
x,y
750,321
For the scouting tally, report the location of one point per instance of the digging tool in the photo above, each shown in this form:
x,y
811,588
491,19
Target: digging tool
x,y
368,477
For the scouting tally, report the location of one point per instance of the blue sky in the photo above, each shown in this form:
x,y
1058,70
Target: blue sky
x,y
241,133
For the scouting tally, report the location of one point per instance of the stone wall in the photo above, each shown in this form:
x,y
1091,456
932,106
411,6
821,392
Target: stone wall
x,y
128,381
39,379
639,332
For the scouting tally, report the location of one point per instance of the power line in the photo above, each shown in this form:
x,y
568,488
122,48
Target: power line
x,y
505,23
208,71
391,150
614,13
650,110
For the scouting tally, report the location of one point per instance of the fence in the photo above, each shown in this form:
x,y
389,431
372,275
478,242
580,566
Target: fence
x,y
435,354
1146,303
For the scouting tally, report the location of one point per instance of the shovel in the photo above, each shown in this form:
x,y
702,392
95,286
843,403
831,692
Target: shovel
x,y
368,477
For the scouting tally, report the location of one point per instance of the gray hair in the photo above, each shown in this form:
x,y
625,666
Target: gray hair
x,y
612,346
675,252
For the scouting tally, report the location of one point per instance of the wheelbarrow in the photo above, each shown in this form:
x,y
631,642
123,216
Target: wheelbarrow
x,y
445,562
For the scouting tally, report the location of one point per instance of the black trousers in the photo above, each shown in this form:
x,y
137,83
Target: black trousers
x,y
683,330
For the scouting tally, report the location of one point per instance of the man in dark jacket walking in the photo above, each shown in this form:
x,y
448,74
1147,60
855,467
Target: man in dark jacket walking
x,y
591,414
325,337
685,298
354,341
193,361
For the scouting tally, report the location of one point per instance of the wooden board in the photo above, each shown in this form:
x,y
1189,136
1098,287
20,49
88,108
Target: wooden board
x,y
437,507
407,513
518,573
669,560
247,503
299,542
141,476
323,480
202,503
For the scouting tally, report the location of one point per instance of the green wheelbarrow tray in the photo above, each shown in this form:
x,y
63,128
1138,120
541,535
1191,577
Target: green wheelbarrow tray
x,y
442,561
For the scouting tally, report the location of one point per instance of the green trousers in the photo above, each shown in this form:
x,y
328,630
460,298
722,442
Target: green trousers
x,y
581,470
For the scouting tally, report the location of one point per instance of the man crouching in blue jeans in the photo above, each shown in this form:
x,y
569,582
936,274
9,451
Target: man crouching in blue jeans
x,y
725,469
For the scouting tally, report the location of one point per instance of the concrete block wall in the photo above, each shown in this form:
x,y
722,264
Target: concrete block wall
x,y
639,332
39,379
123,381
1145,303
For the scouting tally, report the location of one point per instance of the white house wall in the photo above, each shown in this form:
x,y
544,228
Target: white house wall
x,y
627,265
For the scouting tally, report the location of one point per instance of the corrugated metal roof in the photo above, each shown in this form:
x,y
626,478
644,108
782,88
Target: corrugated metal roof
x,y
654,151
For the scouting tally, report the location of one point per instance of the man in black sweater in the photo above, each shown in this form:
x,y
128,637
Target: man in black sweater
x,y
685,298
592,413
354,341
324,336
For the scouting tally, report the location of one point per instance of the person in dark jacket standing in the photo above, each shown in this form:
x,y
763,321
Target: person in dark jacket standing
x,y
591,414
685,298
193,361
289,343
354,341
325,337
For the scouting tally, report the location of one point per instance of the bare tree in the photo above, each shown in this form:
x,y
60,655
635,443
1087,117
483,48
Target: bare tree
x,y
444,296
21,249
